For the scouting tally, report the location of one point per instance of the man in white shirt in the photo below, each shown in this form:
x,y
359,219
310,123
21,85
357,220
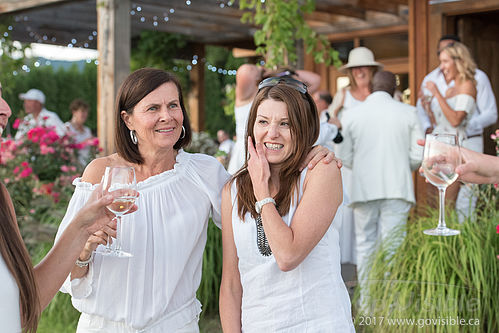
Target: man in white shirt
x,y
484,116
38,116
225,143
329,126
380,145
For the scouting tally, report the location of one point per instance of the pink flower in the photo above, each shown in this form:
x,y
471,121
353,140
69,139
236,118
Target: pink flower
x,y
32,211
497,228
16,123
44,149
24,164
64,168
16,170
6,180
26,172
72,168
493,136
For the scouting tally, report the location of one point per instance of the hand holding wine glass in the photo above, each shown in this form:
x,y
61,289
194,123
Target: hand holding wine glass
x,y
119,181
441,157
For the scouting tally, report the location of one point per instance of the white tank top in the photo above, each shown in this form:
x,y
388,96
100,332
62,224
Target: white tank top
x,y
310,298
10,316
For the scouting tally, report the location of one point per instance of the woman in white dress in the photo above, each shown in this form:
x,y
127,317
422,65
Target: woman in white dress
x,y
281,260
360,69
155,290
25,291
452,112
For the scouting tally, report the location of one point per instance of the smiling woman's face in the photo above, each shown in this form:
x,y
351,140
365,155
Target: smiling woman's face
x,y
272,130
157,119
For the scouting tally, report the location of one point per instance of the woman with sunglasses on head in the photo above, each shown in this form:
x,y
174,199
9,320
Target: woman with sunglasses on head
x,y
281,262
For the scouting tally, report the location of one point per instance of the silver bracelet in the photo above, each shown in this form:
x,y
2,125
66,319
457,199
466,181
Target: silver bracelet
x,y
84,263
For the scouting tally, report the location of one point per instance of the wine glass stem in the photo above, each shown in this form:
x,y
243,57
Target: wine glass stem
x,y
441,212
118,233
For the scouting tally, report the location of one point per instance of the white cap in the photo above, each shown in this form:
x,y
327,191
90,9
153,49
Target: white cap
x,y
33,94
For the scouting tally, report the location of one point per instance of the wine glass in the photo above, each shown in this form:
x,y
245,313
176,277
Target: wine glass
x,y
427,96
441,157
121,183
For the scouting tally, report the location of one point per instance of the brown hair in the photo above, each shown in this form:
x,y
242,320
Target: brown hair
x,y
135,87
372,71
77,104
18,262
304,127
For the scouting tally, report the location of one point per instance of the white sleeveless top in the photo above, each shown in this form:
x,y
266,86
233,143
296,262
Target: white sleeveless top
x,y
10,316
238,154
460,102
310,298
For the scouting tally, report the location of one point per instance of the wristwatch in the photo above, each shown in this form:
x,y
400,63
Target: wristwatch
x,y
259,204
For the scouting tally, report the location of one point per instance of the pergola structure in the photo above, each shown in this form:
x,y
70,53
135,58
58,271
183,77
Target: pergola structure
x,y
402,33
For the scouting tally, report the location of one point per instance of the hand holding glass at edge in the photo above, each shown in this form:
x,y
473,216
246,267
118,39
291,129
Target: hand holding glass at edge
x,y
441,157
119,181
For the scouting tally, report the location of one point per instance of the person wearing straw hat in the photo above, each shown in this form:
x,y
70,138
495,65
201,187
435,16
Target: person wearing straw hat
x,y
360,69
38,116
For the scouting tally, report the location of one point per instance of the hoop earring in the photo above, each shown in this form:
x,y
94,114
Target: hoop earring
x,y
133,136
183,133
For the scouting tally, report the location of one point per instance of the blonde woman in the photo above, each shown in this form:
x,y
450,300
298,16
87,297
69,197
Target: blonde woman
x,y
453,111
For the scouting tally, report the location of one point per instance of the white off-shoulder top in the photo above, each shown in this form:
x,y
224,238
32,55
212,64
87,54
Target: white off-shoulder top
x,y
167,235
460,102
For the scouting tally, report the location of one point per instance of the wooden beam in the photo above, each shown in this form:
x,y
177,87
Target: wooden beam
x,y
343,10
196,93
113,41
418,68
9,6
396,65
349,35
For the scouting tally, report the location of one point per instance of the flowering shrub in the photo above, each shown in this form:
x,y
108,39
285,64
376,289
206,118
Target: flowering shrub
x,y
38,171
495,136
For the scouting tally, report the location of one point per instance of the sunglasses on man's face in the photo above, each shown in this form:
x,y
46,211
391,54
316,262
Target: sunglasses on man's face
x,y
290,82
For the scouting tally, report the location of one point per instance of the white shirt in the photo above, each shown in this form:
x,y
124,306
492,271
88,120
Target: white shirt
x,y
156,288
310,298
484,116
45,119
380,145
327,132
226,146
10,315
79,137
238,155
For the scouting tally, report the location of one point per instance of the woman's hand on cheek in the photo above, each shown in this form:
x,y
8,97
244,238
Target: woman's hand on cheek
x,y
259,170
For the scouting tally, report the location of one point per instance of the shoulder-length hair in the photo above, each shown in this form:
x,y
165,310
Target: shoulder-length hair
x,y
304,127
353,84
135,87
18,263
466,66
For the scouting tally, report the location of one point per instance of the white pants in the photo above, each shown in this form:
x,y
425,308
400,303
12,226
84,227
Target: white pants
x,y
96,324
467,196
375,220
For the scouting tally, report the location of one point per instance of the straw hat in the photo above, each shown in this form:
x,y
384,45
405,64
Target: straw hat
x,y
360,56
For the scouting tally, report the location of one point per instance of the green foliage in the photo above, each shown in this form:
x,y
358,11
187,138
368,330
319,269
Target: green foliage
x,y
282,24
439,277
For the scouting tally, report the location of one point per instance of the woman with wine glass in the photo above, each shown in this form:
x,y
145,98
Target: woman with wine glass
x,y
281,260
452,112
154,290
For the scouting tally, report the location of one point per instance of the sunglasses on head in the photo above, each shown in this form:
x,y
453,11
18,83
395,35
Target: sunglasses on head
x,y
288,81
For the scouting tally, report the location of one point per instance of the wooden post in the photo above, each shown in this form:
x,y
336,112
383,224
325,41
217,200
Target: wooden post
x,y
113,43
418,68
196,93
